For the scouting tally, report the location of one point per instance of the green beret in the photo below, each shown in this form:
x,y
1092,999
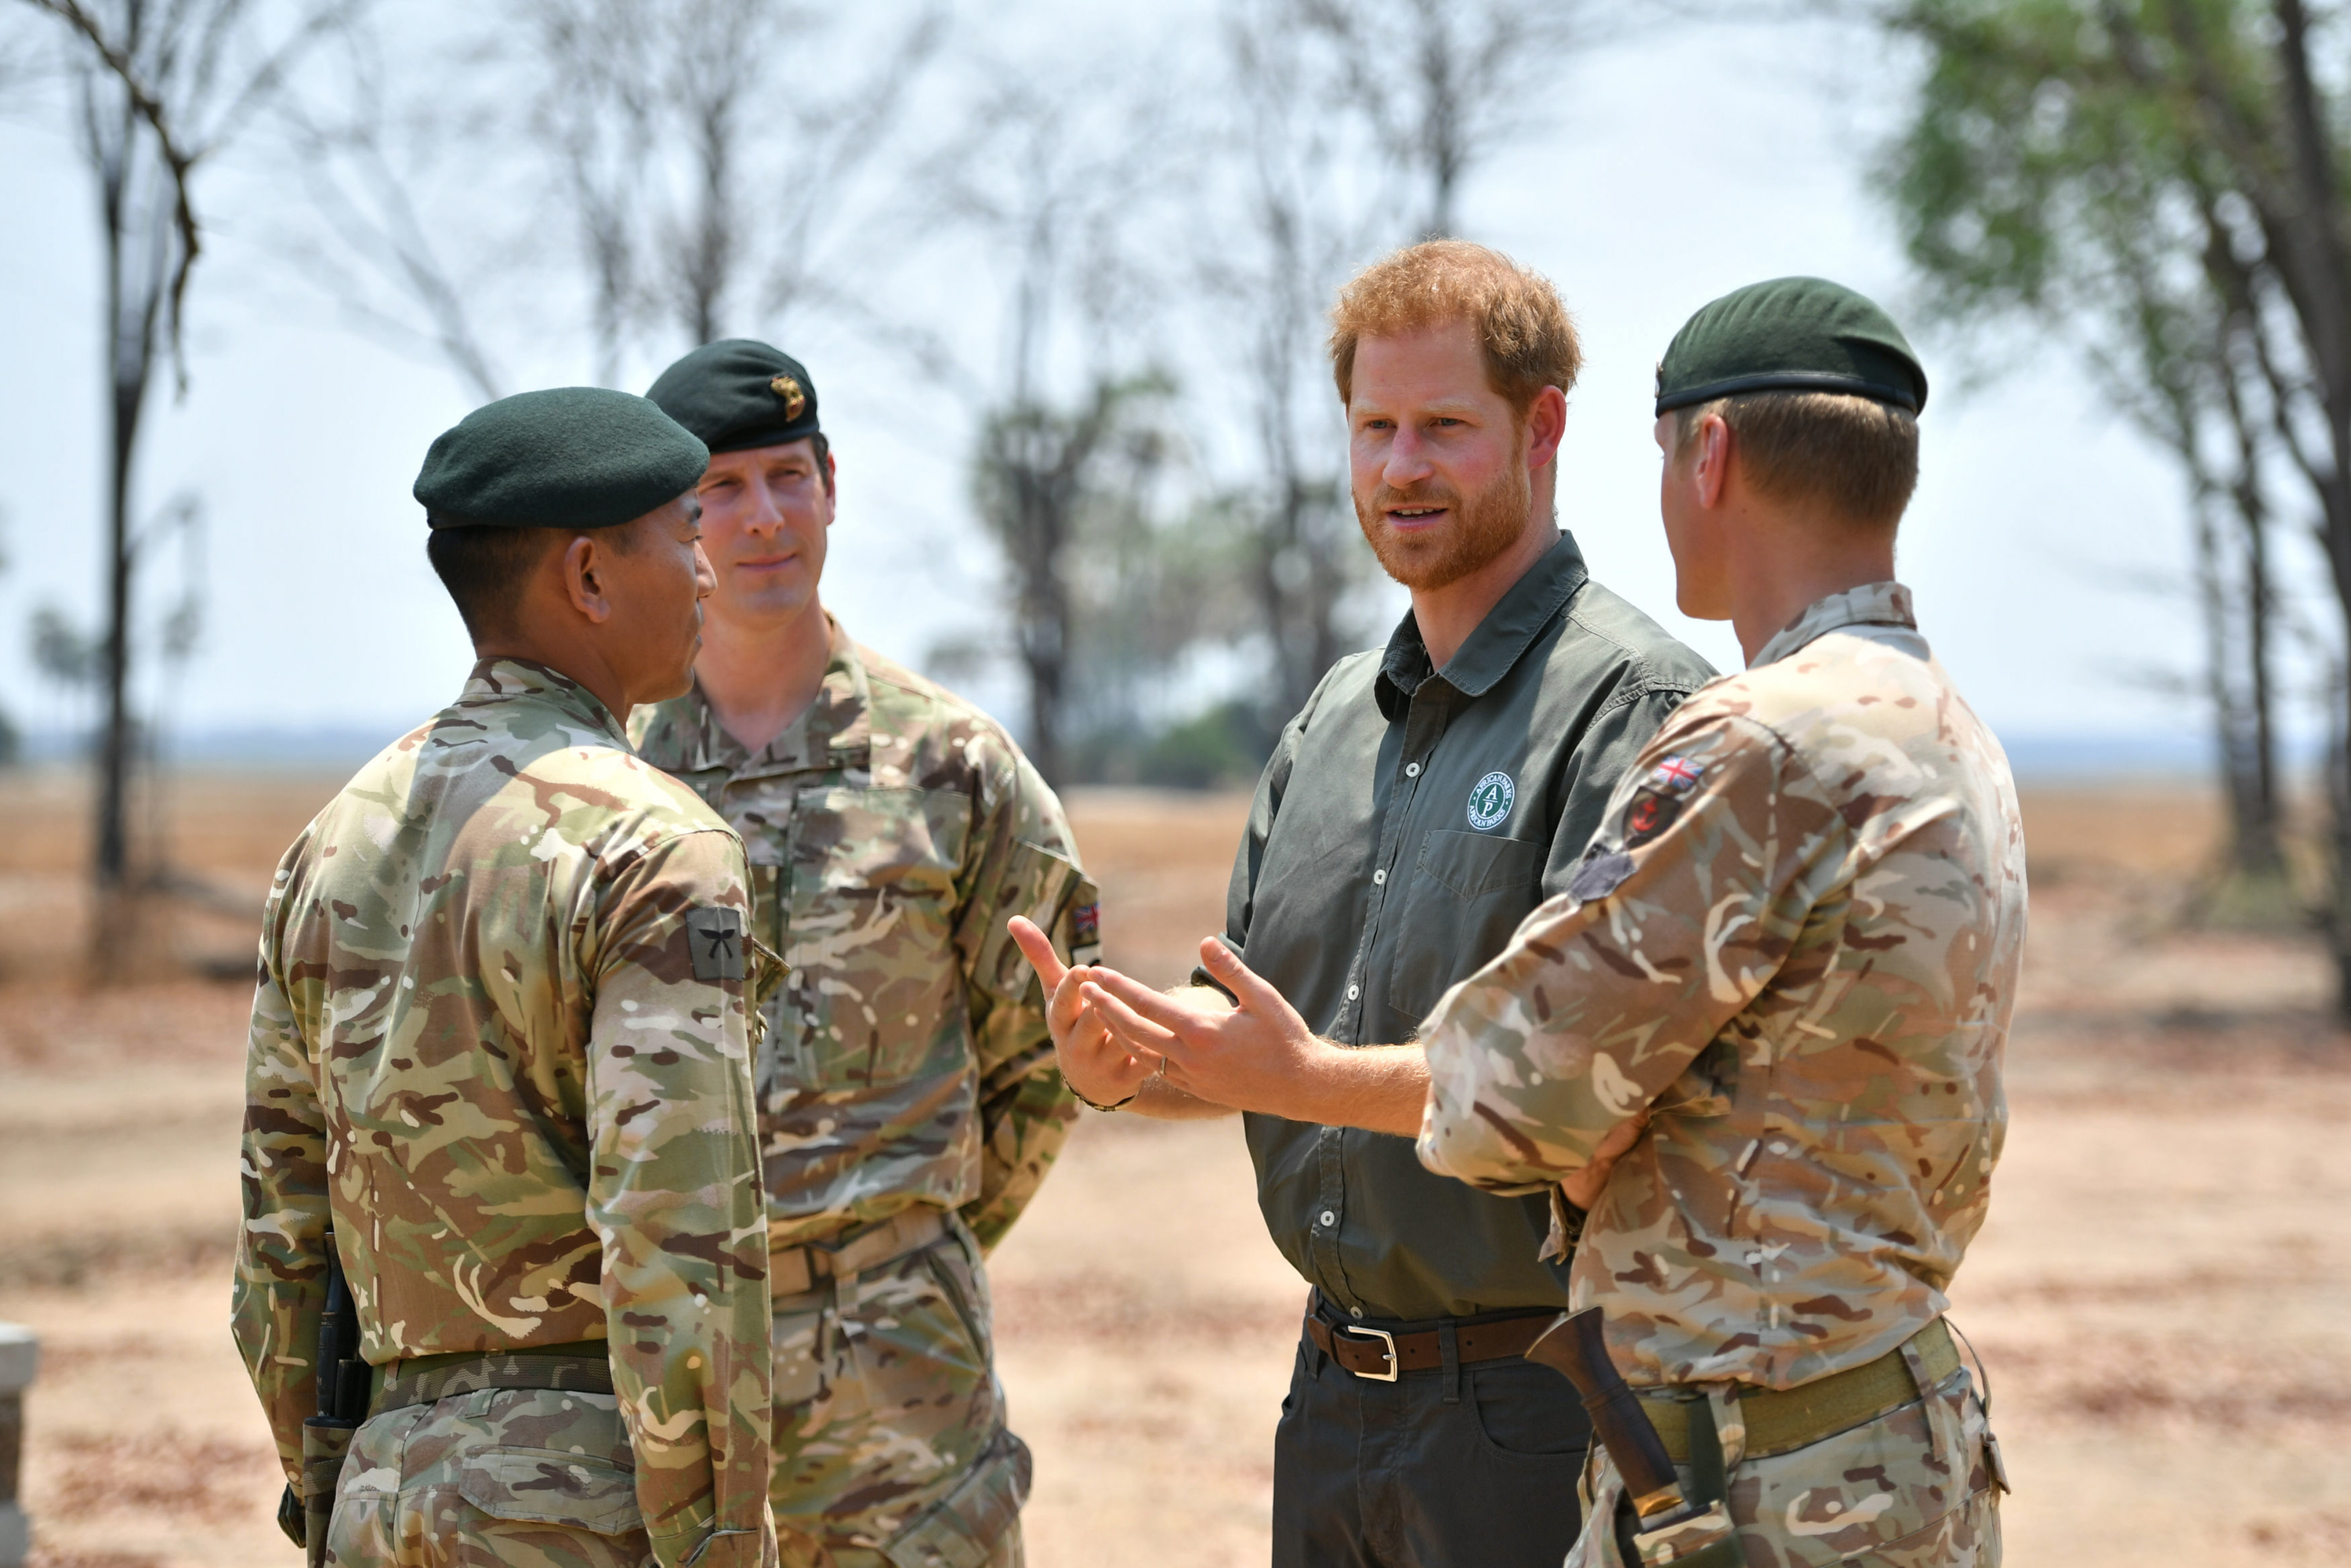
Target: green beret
x,y
570,458
736,394
1803,334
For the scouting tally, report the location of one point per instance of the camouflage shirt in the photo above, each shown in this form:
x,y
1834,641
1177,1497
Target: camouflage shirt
x,y
1796,940
892,829
501,1033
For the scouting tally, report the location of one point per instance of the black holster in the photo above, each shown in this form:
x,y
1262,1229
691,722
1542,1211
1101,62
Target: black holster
x,y
342,1407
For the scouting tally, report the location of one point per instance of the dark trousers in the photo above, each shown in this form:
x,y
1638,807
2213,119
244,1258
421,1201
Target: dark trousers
x,y
1476,1470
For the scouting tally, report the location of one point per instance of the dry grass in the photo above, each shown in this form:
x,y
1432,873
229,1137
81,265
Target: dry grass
x,y
2158,1294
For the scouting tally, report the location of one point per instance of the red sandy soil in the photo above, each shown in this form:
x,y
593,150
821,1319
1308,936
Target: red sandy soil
x,y
2161,1296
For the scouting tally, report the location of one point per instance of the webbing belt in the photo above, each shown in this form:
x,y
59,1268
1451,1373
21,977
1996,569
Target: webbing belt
x,y
584,1367
1779,1420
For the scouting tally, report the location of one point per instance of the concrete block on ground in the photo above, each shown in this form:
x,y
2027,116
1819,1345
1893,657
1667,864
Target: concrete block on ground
x,y
20,1358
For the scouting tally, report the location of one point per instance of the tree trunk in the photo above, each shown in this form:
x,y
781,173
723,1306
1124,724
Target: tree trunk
x,y
128,345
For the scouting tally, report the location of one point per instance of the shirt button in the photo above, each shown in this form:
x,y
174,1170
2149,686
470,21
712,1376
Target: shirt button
x,y
1355,991
1379,879
1329,1217
1411,770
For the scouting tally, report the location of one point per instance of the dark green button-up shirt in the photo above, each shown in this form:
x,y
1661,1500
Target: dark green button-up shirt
x,y
1409,819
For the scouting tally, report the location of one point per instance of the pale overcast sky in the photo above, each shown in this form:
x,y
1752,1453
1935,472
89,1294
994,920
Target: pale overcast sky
x,y
1674,168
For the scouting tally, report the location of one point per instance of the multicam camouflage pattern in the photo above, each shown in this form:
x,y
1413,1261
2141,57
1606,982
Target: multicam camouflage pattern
x,y
890,1441
1795,941
1913,1488
524,1478
483,1039
893,830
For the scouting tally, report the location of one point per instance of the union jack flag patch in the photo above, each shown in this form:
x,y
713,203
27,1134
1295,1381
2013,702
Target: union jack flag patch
x,y
1678,774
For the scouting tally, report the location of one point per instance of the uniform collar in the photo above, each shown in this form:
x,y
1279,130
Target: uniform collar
x,y
1494,648
498,681
1871,604
836,732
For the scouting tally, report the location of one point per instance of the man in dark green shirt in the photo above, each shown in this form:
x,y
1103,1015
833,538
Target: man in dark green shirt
x,y
1427,799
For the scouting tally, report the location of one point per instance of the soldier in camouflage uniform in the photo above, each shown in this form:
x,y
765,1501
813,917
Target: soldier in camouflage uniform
x,y
1792,948
502,1042
909,1105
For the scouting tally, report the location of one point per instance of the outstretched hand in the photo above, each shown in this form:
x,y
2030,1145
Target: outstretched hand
x,y
1096,1064
1257,1055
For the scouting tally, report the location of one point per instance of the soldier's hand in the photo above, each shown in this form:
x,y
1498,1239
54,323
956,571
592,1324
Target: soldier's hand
x,y
1582,1188
1096,1063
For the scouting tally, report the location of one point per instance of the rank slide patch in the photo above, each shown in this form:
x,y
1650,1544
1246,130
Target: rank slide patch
x,y
1601,874
716,938
1490,800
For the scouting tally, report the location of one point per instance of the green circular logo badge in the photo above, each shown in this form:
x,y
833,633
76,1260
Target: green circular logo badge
x,y
1490,800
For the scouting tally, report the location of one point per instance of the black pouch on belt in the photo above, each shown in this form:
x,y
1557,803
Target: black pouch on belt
x,y
342,1405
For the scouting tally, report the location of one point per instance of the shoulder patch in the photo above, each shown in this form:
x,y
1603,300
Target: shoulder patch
x,y
1678,774
1651,813
715,938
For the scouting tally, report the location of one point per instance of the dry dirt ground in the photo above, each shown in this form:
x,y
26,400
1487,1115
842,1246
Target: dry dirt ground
x,y
2163,1295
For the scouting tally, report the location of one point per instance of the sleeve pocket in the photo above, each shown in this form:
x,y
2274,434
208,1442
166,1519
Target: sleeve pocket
x,y
534,1485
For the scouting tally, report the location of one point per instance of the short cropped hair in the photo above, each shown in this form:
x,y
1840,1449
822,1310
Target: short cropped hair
x,y
1854,457
485,570
1527,336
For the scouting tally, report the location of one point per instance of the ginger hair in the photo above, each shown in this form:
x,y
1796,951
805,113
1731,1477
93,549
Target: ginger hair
x,y
1528,340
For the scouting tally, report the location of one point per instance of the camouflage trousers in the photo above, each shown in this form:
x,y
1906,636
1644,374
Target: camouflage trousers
x,y
1913,1488
891,1449
504,1477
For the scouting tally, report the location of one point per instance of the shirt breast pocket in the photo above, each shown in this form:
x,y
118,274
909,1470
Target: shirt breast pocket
x,y
1468,893
869,921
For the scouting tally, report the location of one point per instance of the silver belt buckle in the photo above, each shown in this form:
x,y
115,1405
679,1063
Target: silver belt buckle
x,y
1388,1339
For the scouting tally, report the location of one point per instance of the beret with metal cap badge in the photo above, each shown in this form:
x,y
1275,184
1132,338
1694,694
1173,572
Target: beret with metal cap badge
x,y
1796,334
569,457
738,393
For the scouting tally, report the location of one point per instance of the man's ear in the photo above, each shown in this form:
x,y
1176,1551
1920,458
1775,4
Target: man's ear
x,y
583,558
1546,426
1713,460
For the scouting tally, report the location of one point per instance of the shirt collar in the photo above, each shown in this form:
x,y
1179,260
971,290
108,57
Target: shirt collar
x,y
836,732
495,681
1871,604
1494,648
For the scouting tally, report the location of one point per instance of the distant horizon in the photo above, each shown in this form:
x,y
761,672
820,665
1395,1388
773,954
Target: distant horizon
x,y
2036,756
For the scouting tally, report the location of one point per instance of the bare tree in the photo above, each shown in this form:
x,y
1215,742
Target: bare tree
x,y
705,184
698,166
362,158
1443,82
160,86
1274,272
1054,197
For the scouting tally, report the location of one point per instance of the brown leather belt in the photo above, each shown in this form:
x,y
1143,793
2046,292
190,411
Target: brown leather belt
x,y
1381,1355
796,1270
